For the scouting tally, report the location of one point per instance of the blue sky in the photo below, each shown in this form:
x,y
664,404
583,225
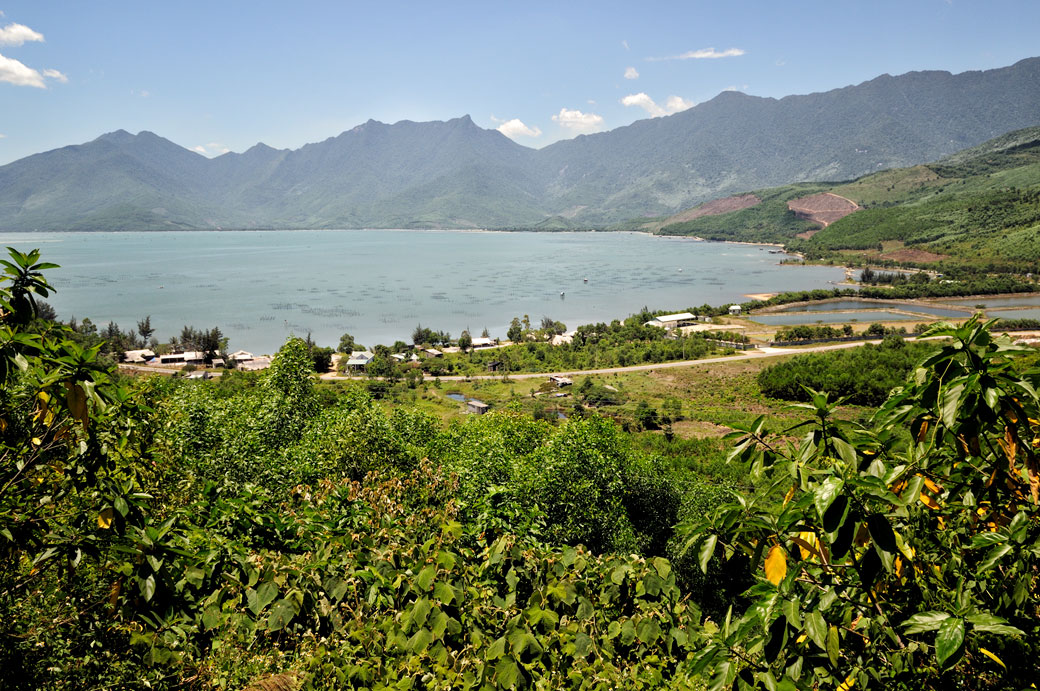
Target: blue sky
x,y
218,76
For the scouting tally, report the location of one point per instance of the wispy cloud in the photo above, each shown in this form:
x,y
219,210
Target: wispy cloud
x,y
625,44
212,149
17,34
3,136
579,122
703,54
56,75
674,104
516,128
631,73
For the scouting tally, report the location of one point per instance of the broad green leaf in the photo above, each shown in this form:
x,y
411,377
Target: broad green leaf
x,y
281,614
507,673
825,494
882,533
993,556
951,400
925,621
833,645
816,627
426,576
949,640
988,623
707,550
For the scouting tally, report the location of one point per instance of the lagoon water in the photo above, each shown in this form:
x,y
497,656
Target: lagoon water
x,y
261,286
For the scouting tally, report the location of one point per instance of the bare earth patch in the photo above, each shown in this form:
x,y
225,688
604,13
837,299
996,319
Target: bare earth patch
x,y
713,208
824,208
698,429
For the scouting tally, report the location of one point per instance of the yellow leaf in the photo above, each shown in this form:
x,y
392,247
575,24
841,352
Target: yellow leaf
x,y
808,545
104,519
849,682
76,400
36,441
992,657
790,494
929,502
776,565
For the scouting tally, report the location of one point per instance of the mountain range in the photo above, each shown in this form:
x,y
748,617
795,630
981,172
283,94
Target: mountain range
x,y
456,174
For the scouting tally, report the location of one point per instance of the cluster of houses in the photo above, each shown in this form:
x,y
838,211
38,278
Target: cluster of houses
x,y
358,360
241,359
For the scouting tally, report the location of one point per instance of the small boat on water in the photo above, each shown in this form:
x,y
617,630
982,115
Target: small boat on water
x,y
561,293
586,280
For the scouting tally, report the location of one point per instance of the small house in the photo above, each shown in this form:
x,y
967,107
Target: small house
x,y
430,352
671,321
734,310
359,359
255,365
494,365
476,407
482,342
138,356
561,381
240,356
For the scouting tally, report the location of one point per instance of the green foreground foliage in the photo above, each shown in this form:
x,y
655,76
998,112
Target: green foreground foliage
x,y
861,376
261,532
905,553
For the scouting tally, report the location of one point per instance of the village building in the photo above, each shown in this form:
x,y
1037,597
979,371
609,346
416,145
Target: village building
x,y
359,359
494,365
482,342
476,407
561,381
188,357
671,321
734,310
255,365
138,356
240,356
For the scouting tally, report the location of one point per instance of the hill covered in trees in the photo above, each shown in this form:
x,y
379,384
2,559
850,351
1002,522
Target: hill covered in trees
x,y
978,207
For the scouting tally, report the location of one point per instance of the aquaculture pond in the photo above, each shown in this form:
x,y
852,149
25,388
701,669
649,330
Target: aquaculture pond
x,y
798,318
857,305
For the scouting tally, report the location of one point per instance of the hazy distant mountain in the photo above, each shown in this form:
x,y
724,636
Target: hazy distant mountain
x,y
455,174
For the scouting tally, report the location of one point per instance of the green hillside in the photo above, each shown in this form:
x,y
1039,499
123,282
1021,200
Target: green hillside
x,y
981,205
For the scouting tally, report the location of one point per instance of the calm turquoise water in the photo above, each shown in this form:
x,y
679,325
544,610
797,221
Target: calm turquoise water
x,y
259,287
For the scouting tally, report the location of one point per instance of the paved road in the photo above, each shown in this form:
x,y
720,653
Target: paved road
x,y
756,354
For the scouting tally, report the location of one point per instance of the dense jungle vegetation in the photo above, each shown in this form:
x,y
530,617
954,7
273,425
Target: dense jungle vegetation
x,y
267,533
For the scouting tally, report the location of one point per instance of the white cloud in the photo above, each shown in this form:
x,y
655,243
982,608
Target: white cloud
x,y
17,73
703,54
674,104
3,136
515,128
625,44
631,73
736,88
212,149
579,122
55,74
17,34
